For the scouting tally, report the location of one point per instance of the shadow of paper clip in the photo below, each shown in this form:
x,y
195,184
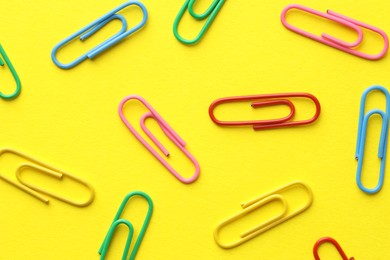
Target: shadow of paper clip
x,y
48,170
254,204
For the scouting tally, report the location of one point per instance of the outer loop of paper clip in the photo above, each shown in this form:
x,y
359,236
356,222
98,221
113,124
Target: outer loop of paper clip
x,y
267,100
263,227
333,242
8,63
168,131
211,13
361,138
118,220
332,41
35,191
90,29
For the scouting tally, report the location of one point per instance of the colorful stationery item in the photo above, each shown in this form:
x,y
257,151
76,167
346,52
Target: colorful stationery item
x,y
118,221
264,100
361,138
40,167
168,131
335,42
93,27
249,207
210,14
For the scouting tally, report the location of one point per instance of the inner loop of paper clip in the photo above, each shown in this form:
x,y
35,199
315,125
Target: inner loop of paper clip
x,y
168,131
256,204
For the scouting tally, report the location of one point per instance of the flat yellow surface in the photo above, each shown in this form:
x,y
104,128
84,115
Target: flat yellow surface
x,y
69,119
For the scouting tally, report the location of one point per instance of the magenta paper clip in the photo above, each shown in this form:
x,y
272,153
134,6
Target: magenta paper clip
x,y
168,131
334,42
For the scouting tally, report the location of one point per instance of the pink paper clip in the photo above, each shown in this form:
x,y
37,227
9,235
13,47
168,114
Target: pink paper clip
x,y
168,131
332,41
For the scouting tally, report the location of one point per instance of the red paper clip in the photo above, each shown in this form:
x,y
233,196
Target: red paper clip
x,y
267,100
332,241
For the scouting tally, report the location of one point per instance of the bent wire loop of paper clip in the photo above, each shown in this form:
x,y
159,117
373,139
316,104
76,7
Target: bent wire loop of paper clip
x,y
118,221
361,138
168,131
211,13
253,205
334,42
93,27
267,100
7,62
332,241
41,167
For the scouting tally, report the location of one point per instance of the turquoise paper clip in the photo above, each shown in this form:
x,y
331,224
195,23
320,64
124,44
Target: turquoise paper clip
x,y
93,27
211,12
361,138
14,74
117,221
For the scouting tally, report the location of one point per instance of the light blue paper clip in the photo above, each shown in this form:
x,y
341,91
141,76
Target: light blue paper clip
x,y
93,27
361,138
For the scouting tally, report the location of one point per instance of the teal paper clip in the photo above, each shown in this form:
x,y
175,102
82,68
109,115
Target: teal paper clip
x,y
361,138
117,221
14,74
93,27
211,12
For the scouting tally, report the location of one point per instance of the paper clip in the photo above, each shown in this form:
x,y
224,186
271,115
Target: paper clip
x,y
253,205
332,241
14,74
168,131
361,138
332,41
93,27
117,221
48,170
211,12
267,100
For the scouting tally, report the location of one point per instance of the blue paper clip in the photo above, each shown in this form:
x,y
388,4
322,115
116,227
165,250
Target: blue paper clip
x,y
361,138
93,27
14,74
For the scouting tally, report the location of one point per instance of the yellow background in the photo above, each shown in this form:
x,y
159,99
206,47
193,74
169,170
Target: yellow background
x,y
69,119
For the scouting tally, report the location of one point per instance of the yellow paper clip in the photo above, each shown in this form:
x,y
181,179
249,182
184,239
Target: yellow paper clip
x,y
45,169
252,205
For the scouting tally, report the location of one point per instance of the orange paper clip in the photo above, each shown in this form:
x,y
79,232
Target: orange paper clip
x,y
332,241
267,100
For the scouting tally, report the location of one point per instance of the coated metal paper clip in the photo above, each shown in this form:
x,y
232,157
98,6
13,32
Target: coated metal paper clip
x,y
332,41
48,170
118,221
168,131
267,100
14,74
211,12
253,205
93,27
361,138
332,241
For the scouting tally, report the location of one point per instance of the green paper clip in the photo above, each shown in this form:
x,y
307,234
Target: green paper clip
x,y
117,221
211,12
16,77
